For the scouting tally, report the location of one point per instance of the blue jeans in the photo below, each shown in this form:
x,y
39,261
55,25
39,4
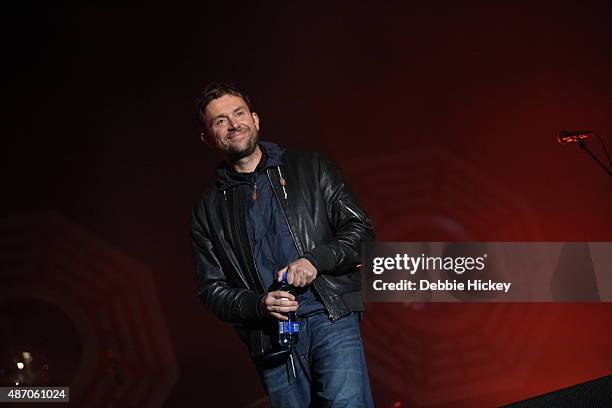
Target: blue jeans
x,y
329,365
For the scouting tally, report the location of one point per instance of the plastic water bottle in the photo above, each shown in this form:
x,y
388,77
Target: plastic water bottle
x,y
288,330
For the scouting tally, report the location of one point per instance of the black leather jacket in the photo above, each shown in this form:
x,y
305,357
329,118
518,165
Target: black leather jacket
x,y
324,219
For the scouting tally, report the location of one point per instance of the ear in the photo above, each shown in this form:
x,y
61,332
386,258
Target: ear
x,y
255,119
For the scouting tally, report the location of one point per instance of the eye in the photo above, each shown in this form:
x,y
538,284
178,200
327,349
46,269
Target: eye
x,y
240,113
220,122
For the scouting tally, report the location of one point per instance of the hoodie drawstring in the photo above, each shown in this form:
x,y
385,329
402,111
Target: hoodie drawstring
x,y
283,183
254,193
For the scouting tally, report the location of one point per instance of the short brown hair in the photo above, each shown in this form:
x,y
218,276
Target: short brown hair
x,y
216,90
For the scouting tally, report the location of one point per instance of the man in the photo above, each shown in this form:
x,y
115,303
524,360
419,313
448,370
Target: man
x,y
276,211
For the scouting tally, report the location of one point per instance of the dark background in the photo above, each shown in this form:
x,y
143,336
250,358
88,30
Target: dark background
x,y
100,128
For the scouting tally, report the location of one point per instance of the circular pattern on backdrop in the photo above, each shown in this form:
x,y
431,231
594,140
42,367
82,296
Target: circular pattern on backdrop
x,y
102,306
466,349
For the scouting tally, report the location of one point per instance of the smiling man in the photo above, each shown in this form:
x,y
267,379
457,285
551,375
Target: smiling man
x,y
276,211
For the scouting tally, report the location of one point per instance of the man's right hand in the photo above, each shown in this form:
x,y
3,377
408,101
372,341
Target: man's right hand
x,y
277,302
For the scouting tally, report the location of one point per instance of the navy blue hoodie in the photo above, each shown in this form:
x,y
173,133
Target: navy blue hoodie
x,y
270,238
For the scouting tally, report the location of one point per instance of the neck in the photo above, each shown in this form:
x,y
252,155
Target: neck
x,y
247,164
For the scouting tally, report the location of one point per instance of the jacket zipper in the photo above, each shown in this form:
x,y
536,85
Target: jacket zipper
x,y
255,263
236,215
251,248
297,248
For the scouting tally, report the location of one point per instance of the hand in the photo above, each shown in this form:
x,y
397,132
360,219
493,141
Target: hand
x,y
277,302
299,273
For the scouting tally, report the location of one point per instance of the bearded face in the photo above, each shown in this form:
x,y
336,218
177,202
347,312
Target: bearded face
x,y
232,127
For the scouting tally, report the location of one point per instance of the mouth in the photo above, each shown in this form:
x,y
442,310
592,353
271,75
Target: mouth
x,y
235,135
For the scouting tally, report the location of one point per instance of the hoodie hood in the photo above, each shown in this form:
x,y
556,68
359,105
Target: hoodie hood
x,y
227,178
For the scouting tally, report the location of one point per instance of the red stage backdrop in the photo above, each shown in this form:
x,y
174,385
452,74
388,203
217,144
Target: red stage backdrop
x,y
442,118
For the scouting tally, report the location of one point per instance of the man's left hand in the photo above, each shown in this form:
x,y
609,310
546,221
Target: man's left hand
x,y
299,273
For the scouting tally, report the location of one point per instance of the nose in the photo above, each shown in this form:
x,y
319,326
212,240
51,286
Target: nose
x,y
233,124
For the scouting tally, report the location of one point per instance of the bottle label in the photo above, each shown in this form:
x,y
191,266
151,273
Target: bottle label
x,y
288,327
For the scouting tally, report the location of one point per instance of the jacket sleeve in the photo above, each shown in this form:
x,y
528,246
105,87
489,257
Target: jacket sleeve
x,y
350,224
230,304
